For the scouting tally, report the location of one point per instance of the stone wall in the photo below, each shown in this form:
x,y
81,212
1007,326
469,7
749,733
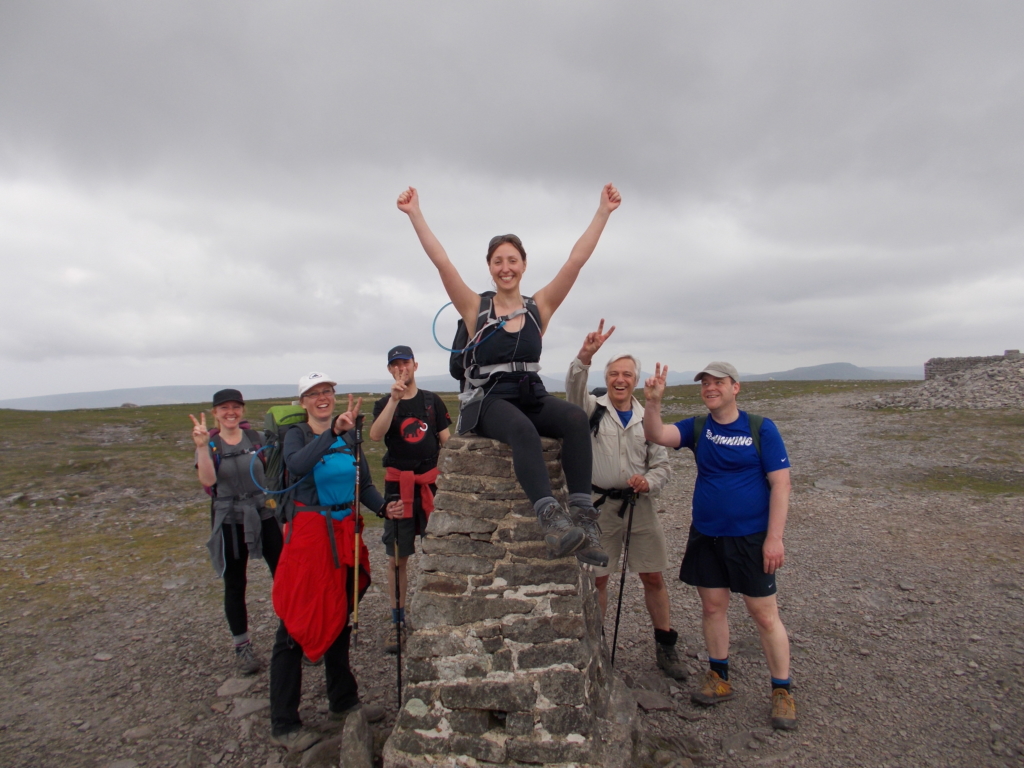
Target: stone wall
x,y
943,366
506,661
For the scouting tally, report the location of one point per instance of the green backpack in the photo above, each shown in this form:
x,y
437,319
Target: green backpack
x,y
279,419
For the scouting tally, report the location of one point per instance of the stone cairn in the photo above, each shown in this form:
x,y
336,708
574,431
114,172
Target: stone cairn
x,y
506,663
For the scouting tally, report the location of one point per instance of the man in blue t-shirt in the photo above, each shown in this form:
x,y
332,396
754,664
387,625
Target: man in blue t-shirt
x,y
740,503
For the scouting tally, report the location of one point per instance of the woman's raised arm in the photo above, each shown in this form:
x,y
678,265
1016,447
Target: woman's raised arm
x,y
465,299
550,297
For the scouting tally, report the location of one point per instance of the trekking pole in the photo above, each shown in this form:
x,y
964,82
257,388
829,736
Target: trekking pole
x,y
398,620
622,581
355,524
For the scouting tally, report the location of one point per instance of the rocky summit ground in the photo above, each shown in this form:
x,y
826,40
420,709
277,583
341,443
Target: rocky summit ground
x,y
903,594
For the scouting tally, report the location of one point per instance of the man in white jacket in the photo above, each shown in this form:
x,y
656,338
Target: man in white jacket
x,y
627,466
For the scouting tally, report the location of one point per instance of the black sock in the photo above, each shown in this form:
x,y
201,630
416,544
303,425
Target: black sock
x,y
784,684
665,637
721,666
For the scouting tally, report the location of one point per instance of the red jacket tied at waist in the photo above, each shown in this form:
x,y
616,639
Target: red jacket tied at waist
x,y
407,482
310,595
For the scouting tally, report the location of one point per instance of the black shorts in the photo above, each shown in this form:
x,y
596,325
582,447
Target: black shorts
x,y
735,563
405,530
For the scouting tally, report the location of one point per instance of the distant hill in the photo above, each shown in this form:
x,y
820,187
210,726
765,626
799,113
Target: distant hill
x,y
201,393
841,371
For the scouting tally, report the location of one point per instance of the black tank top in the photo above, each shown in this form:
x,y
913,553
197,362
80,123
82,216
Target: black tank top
x,y
523,346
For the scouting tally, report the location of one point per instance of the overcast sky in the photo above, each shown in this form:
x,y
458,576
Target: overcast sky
x,y
201,192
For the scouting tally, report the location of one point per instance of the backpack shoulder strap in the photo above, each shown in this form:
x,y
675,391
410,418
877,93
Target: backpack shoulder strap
x,y
698,428
533,309
256,439
755,430
595,418
428,403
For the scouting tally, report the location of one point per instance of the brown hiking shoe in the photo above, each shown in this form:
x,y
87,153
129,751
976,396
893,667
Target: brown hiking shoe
x,y
713,689
391,644
783,710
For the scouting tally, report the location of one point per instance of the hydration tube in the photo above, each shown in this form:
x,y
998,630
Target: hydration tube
x,y
255,482
433,330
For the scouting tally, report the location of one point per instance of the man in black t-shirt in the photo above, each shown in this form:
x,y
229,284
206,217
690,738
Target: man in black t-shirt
x,y
413,424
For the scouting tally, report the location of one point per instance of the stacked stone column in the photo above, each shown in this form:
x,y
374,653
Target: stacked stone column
x,y
505,664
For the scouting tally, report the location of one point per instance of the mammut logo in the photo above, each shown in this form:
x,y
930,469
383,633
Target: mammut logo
x,y
413,430
723,440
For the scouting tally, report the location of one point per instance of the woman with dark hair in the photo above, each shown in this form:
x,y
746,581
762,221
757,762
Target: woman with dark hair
x,y
241,523
504,397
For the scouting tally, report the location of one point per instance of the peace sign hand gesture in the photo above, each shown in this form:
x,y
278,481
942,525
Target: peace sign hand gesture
x,y
594,341
345,421
654,387
200,434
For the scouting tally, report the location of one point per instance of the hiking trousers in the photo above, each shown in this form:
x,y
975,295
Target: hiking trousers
x,y
521,429
286,679
234,570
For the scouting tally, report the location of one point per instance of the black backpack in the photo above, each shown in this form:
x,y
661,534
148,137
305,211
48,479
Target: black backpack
x,y
463,348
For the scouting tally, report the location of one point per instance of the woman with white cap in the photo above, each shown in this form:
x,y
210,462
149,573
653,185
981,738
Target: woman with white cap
x,y
314,583
242,525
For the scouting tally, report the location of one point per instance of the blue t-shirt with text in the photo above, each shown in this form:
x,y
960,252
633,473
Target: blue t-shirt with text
x,y
730,497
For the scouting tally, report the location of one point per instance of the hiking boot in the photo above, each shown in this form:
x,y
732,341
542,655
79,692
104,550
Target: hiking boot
x,y
246,660
713,690
374,712
562,537
296,741
391,644
669,663
591,551
783,710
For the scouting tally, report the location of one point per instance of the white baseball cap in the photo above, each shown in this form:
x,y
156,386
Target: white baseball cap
x,y
313,378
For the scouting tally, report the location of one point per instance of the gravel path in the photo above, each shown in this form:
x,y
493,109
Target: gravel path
x,y
904,601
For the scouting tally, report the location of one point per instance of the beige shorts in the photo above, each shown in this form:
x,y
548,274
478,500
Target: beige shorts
x,y
647,551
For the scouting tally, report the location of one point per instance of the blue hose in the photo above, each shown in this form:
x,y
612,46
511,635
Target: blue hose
x,y
255,482
433,330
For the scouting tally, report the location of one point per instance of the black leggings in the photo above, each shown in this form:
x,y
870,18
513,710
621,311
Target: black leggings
x,y
234,569
504,420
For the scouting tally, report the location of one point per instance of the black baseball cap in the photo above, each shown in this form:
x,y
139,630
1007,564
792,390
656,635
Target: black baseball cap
x,y
400,353
227,396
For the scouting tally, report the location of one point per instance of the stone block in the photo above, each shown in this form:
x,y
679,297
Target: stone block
x,y
485,488
531,550
529,749
555,572
424,692
419,670
500,695
548,654
479,747
432,609
475,721
444,523
426,645
457,564
457,544
480,536
475,464
415,714
356,743
467,665
572,604
501,661
418,744
523,530
492,644
543,629
524,509
565,720
469,505
519,723
443,583
565,687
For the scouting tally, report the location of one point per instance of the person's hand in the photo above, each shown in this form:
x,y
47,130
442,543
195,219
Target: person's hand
x,y
394,510
409,201
200,434
654,387
774,554
639,484
345,421
594,341
610,198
